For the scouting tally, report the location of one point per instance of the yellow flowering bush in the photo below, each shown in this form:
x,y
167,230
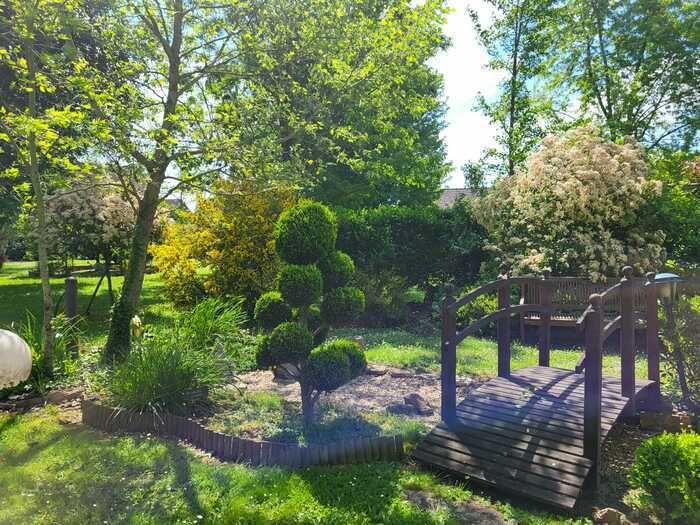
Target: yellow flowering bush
x,y
575,210
225,246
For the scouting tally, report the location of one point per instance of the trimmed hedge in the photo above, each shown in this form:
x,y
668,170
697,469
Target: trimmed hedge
x,y
289,343
416,243
337,269
342,305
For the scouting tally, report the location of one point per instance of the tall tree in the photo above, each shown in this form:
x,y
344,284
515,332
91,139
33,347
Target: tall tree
x,y
344,91
634,65
518,42
40,132
163,122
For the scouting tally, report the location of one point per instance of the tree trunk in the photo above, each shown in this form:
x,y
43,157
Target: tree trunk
x,y
47,335
119,340
307,404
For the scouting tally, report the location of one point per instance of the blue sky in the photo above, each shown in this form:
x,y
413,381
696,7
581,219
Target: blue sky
x,y
463,66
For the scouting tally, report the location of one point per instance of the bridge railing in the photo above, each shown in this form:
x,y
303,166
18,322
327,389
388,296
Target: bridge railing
x,y
597,331
451,337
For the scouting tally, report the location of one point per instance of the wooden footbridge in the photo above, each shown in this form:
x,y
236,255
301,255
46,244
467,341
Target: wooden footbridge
x,y
537,432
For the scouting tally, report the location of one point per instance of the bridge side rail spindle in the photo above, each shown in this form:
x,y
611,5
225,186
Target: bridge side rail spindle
x,y
545,335
503,328
652,336
593,386
627,342
448,364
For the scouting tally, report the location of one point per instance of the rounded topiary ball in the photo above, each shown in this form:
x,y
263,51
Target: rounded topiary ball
x,y
289,343
354,353
337,269
300,285
328,368
263,354
342,305
271,310
305,232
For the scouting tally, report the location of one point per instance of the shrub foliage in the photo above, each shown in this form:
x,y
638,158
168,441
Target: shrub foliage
x,y
305,233
667,470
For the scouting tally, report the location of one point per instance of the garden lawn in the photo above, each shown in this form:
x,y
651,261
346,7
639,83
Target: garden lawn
x,y
20,294
474,356
58,472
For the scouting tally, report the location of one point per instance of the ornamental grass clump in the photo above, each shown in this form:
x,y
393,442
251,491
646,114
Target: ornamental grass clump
x,y
312,295
578,209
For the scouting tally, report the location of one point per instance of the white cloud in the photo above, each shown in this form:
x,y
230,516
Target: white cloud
x,y
463,67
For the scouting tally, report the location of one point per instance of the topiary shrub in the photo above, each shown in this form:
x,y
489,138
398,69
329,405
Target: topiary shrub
x,y
337,269
342,305
666,470
290,342
271,310
305,233
306,242
354,353
300,285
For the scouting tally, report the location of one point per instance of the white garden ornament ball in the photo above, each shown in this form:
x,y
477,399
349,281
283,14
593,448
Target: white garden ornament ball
x,y
15,359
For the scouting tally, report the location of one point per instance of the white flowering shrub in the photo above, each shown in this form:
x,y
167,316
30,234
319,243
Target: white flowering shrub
x,y
92,220
576,210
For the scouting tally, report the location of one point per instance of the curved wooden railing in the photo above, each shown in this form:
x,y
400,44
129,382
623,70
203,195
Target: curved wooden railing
x,y
597,332
451,337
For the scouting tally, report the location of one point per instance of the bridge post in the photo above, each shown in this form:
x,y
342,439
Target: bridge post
x,y
627,342
652,336
503,329
593,387
545,336
448,363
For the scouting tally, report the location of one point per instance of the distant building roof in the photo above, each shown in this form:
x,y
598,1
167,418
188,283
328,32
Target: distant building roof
x,y
451,195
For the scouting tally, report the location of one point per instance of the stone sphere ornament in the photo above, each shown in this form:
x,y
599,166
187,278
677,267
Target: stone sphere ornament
x,y
15,359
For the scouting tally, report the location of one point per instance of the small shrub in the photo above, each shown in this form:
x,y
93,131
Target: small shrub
x,y
305,232
271,310
354,353
289,343
163,375
300,285
342,305
667,471
328,368
337,269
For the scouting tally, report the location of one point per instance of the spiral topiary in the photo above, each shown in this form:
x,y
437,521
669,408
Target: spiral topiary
x,y
342,305
300,285
305,233
271,310
289,343
337,269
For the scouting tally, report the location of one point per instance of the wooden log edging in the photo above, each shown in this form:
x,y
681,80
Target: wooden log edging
x,y
239,450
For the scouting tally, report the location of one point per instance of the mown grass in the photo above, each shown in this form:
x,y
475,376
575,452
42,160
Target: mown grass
x,y
64,473
474,356
20,294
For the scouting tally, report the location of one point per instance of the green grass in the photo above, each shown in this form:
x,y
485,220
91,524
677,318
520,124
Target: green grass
x,y
474,356
20,294
68,474
267,415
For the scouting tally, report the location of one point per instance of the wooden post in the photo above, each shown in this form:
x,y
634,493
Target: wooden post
x,y
545,320
448,363
652,336
503,329
71,309
627,342
593,386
